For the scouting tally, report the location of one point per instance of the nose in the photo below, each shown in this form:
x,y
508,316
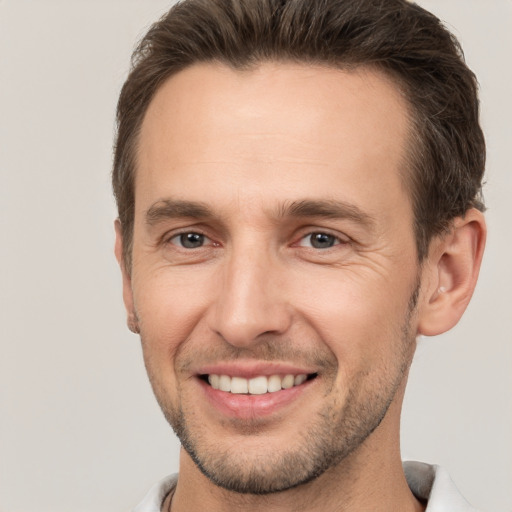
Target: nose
x,y
250,300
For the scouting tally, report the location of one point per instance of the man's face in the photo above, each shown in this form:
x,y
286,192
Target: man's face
x,y
273,247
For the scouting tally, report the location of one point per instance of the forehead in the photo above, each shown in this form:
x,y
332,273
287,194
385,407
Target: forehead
x,y
278,129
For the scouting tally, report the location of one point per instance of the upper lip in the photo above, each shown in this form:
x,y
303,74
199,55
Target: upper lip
x,y
250,369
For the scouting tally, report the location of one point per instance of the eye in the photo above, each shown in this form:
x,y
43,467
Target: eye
x,y
319,240
189,240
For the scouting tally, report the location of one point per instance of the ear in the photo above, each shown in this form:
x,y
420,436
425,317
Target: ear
x,y
132,320
453,266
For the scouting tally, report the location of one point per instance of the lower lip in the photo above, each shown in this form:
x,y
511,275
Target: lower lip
x,y
253,406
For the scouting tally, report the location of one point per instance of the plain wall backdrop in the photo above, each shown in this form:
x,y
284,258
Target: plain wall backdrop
x,y
79,428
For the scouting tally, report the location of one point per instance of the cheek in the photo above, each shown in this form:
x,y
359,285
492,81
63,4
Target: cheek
x,y
169,306
359,318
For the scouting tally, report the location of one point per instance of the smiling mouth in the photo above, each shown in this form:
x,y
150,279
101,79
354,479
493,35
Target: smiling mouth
x,y
257,385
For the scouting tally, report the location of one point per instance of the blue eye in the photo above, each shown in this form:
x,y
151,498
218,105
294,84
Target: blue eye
x,y
319,241
189,240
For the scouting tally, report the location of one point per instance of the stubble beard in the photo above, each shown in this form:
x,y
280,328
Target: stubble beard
x,y
335,434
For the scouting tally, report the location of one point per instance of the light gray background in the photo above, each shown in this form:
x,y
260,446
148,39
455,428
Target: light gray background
x,y
79,427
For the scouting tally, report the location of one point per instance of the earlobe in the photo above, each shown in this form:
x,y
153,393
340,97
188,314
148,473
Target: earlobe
x,y
132,320
454,264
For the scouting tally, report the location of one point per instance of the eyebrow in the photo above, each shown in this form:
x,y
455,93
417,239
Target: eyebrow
x,y
328,209
165,209
173,209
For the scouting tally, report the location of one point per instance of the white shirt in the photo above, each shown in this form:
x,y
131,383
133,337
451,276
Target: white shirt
x,y
431,483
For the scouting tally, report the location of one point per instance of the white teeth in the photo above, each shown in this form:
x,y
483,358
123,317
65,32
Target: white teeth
x,y
299,379
214,381
287,381
274,384
257,385
225,383
239,385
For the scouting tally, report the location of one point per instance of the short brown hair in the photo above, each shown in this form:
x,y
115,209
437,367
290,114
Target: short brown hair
x,y
447,151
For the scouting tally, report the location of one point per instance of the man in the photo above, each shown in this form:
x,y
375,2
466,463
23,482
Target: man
x,y
298,185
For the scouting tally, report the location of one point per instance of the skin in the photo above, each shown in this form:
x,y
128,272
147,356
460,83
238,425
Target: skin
x,y
248,147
